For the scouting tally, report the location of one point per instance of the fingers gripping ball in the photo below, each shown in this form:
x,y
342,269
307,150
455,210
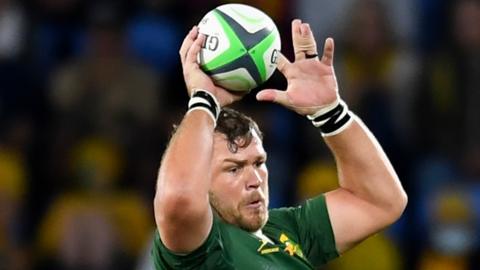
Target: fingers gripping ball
x,y
240,47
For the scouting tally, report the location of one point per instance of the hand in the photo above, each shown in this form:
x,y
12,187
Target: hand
x,y
312,84
194,77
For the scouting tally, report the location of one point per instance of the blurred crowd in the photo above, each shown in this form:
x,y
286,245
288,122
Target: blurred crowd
x,y
90,90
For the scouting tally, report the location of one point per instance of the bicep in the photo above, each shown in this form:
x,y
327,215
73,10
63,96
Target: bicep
x,y
209,251
352,219
184,233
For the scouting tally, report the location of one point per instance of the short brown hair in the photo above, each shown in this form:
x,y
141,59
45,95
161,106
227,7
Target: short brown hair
x,y
237,127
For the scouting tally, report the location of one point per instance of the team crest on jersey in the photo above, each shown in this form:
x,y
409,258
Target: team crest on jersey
x,y
291,247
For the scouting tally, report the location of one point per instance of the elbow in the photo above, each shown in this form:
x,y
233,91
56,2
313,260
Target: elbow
x,y
403,202
397,206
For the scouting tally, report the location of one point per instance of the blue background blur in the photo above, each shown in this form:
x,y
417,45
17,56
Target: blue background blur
x,y
89,91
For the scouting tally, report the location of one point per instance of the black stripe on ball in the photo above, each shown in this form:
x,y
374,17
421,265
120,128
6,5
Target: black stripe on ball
x,y
244,61
249,40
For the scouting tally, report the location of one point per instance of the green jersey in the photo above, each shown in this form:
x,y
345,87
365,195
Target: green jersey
x,y
302,236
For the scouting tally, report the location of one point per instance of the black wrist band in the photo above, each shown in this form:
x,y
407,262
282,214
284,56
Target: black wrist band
x,y
203,100
213,104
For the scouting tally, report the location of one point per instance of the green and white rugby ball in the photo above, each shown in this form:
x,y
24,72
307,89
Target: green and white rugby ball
x,y
240,48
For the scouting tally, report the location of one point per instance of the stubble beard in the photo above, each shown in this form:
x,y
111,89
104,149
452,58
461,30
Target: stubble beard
x,y
251,221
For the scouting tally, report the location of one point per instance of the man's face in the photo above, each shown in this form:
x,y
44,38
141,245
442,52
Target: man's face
x,y
239,190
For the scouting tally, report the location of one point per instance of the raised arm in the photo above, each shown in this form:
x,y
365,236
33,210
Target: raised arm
x,y
370,196
182,209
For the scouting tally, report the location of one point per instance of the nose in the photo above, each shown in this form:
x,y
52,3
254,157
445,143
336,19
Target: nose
x,y
254,179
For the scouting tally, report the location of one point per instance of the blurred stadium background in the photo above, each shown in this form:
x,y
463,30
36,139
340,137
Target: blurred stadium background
x,y
89,91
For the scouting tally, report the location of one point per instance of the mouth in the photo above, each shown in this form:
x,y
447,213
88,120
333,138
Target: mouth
x,y
256,203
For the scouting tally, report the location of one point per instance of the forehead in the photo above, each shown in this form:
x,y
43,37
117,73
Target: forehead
x,y
221,150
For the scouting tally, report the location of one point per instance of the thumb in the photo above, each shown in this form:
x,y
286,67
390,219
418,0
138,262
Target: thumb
x,y
273,95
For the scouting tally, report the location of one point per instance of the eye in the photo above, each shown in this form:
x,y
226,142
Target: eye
x,y
259,163
233,170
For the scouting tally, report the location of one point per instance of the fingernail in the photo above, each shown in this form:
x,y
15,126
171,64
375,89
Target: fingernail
x,y
307,25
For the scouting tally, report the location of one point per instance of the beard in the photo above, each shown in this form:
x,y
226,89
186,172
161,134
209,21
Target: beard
x,y
250,220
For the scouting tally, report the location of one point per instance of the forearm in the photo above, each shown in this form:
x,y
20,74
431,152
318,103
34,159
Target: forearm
x,y
185,168
364,169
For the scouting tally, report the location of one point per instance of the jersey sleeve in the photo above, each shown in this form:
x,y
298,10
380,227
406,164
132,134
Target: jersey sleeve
x,y
311,223
163,258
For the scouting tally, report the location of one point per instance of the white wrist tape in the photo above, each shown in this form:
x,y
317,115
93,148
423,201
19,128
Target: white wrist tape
x,y
332,119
